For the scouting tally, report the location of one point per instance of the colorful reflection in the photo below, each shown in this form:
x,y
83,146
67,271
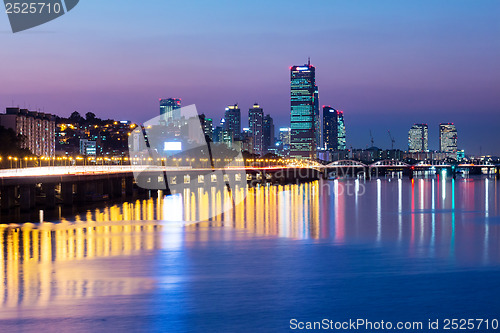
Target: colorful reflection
x,y
456,220
265,210
38,263
439,217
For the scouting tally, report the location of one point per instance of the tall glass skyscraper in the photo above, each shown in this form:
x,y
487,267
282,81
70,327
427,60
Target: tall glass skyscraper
x,y
418,138
268,131
333,129
448,139
317,124
168,107
255,124
232,121
304,111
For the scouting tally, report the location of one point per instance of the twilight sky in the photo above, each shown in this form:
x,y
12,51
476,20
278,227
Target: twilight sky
x,y
387,64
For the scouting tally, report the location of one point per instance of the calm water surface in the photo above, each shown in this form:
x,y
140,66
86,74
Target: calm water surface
x,y
382,250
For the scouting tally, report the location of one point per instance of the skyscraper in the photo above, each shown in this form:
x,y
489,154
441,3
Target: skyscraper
x,y
208,127
317,121
255,124
448,139
268,131
418,138
304,111
232,121
168,107
285,135
333,129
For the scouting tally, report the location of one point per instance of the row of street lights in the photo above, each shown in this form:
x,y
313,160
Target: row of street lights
x,y
42,161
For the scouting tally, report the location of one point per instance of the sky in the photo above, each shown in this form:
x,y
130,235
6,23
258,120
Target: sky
x,y
386,64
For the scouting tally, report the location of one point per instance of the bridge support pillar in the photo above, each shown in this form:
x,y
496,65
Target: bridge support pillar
x,y
81,191
117,187
129,186
8,197
50,195
107,187
67,193
99,187
27,197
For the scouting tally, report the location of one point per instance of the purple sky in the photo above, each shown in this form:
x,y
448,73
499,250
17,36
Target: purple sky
x,y
387,64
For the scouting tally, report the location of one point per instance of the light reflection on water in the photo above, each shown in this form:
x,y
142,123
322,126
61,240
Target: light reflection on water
x,y
110,252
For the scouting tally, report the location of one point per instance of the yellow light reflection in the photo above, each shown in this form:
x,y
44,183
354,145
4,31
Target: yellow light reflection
x,y
29,255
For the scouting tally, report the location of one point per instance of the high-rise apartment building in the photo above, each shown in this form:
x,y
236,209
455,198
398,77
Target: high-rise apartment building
x,y
232,121
418,138
37,129
169,109
334,133
304,111
255,125
448,139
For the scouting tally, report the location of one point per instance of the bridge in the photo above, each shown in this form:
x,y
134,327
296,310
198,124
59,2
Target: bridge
x,y
46,186
401,164
356,168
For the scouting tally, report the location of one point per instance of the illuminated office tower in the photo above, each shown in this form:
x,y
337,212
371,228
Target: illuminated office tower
x,y
304,111
285,135
418,138
255,124
448,139
317,121
333,129
169,109
232,121
268,133
208,127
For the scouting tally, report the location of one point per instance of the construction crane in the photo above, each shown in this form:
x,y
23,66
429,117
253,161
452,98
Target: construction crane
x,y
392,139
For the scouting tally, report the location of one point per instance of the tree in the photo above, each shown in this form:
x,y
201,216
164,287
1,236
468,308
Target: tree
x,y
75,117
90,117
11,143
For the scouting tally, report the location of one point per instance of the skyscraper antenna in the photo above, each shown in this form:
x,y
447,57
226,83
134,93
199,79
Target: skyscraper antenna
x,y
308,61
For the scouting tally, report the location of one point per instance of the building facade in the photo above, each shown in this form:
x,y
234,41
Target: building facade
x,y
232,121
285,135
208,127
268,131
317,119
304,111
334,133
255,125
88,148
169,109
448,138
37,129
418,138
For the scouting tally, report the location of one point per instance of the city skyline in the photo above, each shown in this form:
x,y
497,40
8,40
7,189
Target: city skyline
x,y
384,63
